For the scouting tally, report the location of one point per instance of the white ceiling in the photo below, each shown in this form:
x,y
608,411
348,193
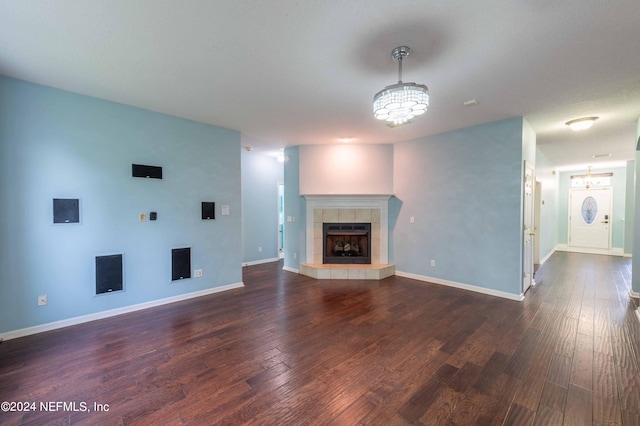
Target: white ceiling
x,y
291,72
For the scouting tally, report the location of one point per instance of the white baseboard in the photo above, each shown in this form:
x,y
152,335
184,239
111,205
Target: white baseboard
x,y
615,251
258,262
544,259
113,312
634,294
462,286
294,270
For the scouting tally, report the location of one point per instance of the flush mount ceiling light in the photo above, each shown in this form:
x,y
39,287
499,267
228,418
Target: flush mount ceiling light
x,y
581,123
400,102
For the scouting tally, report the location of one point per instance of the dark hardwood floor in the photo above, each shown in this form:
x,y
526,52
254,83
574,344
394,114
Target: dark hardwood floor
x,y
291,350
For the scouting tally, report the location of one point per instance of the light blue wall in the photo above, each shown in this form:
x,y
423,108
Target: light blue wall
x,y
630,202
294,208
618,183
464,189
55,144
549,205
260,177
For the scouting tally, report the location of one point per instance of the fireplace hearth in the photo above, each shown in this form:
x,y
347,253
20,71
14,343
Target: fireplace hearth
x,y
346,243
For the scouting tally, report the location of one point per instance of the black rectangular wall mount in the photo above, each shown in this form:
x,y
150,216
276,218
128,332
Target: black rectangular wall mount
x,y
109,273
208,210
66,210
140,170
180,263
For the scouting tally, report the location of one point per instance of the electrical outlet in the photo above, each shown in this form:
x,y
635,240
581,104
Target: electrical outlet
x,y
295,255
433,262
260,249
197,273
43,300
143,217
412,219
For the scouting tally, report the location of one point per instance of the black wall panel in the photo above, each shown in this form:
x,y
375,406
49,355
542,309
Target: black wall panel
x,y
108,273
140,170
66,210
180,263
208,210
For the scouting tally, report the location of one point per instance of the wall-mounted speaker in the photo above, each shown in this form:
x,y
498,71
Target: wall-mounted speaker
x,y
208,210
180,263
109,273
66,210
140,170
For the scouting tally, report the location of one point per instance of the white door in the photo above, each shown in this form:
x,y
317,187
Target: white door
x,y
528,226
590,218
537,201
281,220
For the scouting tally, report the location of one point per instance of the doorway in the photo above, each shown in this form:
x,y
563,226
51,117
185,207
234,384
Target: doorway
x,y
528,227
280,220
590,218
537,200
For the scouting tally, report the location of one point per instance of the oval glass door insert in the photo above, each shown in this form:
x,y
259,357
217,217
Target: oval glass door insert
x,y
589,210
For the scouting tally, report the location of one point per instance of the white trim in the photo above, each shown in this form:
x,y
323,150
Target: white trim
x,y
113,312
615,251
634,294
258,262
294,270
627,255
544,259
462,286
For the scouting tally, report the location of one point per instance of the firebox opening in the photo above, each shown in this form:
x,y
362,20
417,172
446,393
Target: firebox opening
x,y
346,243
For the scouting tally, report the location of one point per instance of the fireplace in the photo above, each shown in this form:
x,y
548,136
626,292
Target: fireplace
x,y
345,209
346,243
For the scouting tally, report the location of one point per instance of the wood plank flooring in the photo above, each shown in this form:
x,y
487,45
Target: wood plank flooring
x,y
291,350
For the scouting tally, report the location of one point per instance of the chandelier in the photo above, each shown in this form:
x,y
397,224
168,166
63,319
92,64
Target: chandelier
x,y
400,102
588,180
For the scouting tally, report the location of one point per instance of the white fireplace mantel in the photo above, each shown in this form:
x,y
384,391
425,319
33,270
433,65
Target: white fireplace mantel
x,y
345,203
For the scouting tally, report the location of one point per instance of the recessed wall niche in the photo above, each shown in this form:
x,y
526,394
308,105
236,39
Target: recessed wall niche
x,y
109,277
144,171
66,210
180,263
208,210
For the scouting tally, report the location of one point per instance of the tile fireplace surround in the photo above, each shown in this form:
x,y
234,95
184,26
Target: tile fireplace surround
x,y
372,209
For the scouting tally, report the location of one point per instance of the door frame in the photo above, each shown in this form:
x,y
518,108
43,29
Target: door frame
x,y
537,213
280,205
528,232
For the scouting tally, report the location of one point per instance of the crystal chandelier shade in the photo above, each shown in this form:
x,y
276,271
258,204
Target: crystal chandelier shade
x,y
399,103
